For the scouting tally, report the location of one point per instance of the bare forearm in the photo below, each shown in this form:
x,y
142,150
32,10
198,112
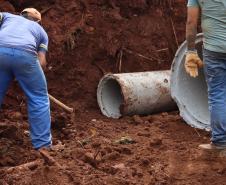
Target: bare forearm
x,y
191,26
191,31
42,62
42,59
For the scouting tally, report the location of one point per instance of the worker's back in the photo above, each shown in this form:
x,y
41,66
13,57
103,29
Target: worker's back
x,y
23,47
21,33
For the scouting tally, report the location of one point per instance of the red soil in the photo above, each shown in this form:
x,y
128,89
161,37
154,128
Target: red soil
x,y
85,40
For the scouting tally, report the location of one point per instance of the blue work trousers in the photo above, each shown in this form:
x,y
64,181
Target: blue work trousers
x,y
215,74
25,67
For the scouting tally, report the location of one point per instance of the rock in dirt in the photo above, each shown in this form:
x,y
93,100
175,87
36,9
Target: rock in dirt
x,y
125,140
144,162
16,116
91,159
148,118
137,119
77,153
7,161
120,166
155,142
144,134
11,131
96,144
112,156
165,114
26,133
124,150
58,147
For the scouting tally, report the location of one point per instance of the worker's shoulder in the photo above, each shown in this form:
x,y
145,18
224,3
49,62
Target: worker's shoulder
x,y
38,27
7,14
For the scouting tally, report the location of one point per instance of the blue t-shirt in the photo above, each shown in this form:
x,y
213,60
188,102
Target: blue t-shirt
x,y
21,33
213,13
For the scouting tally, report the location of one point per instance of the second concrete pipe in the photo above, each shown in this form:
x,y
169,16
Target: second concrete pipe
x,y
135,93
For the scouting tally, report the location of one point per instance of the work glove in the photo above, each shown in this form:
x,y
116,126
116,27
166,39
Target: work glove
x,y
192,63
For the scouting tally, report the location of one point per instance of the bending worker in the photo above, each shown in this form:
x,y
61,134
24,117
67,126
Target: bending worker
x,y
23,47
213,17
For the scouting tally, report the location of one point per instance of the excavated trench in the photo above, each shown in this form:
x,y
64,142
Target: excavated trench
x,y
87,40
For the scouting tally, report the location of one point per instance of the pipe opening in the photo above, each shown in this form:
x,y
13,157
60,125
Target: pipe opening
x,y
111,98
193,92
190,93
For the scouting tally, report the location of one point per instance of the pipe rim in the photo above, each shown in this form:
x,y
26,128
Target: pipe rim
x,y
184,112
103,80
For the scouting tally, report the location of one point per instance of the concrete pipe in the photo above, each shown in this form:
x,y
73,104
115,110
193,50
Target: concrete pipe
x,y
135,93
189,93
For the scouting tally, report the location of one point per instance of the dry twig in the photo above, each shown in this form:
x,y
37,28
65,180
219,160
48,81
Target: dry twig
x,y
171,21
45,10
174,31
48,158
88,139
96,154
164,49
138,54
30,165
142,56
100,68
197,132
120,61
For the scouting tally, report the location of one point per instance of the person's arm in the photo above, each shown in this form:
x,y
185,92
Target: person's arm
x,y
1,18
192,60
42,59
43,48
191,27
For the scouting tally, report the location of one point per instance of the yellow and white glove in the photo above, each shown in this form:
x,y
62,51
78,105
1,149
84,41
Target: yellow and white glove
x,y
192,63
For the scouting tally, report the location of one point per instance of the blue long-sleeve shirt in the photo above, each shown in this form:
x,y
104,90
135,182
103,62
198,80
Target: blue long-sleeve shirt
x,y
21,33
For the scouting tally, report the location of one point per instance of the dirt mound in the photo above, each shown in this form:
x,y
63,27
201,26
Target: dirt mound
x,y
87,39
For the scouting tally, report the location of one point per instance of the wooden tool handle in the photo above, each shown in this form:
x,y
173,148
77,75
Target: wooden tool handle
x,y
65,107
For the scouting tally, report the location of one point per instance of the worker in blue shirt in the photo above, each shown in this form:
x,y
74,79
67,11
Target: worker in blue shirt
x,y
213,18
23,47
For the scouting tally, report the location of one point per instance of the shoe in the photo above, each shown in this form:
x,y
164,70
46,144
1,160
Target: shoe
x,y
212,146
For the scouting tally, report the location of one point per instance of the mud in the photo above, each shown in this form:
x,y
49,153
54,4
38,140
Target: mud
x,y
86,39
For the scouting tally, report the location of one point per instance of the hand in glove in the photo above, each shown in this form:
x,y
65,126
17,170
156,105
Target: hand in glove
x,y
192,63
